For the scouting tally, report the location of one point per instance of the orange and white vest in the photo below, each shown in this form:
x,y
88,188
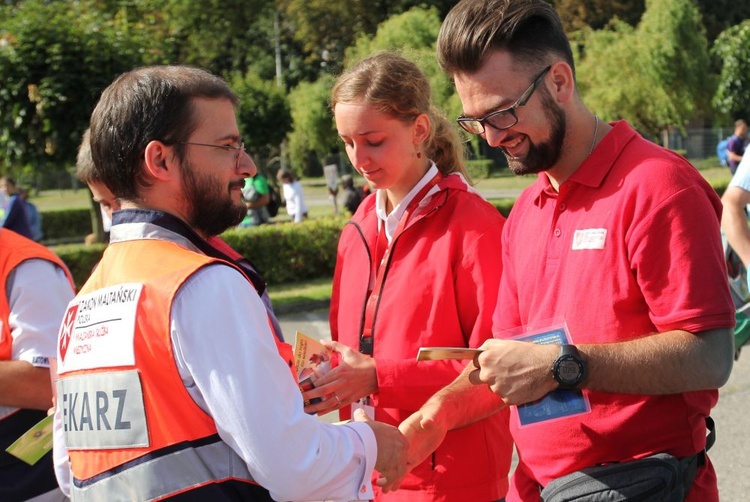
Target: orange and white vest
x,y
14,250
20,481
131,428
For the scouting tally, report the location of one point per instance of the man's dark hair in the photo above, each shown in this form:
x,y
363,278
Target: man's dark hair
x,y
84,165
143,105
530,30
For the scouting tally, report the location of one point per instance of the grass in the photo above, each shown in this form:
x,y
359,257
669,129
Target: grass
x,y
51,200
301,295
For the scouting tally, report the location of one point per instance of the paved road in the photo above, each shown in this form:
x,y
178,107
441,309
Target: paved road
x,y
730,454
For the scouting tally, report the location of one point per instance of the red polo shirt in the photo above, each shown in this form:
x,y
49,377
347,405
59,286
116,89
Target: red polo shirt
x,y
629,246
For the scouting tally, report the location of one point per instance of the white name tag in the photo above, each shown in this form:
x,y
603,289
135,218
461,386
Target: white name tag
x,y
98,329
103,411
590,238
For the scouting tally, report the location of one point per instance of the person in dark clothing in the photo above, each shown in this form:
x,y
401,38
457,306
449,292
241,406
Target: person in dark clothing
x,y
352,196
14,216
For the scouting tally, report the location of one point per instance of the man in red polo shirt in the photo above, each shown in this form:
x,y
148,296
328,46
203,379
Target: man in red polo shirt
x,y
612,265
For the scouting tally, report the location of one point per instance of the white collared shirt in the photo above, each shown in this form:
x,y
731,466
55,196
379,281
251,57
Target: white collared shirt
x,y
391,220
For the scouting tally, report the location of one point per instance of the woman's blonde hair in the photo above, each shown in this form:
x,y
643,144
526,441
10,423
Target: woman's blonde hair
x,y
395,86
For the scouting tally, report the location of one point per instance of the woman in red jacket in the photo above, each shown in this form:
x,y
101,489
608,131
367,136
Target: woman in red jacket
x,y
418,265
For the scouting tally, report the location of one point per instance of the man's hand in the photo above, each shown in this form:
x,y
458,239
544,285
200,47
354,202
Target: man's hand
x,y
392,452
425,431
519,372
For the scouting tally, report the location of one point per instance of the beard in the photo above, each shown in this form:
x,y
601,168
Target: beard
x,y
212,209
543,156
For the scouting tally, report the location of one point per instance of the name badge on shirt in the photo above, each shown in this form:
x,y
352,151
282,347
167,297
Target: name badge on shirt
x,y
99,328
589,238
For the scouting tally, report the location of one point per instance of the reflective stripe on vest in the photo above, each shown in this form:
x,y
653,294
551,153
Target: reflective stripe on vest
x,y
164,473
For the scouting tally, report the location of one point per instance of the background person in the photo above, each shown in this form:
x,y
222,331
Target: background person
x,y
183,340
33,216
352,197
331,174
36,287
734,221
439,242
14,216
618,238
736,145
257,196
293,195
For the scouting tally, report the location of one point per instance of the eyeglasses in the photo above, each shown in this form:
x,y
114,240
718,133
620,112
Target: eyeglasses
x,y
501,119
239,149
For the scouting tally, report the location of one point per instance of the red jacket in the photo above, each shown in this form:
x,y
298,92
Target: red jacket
x,y
440,290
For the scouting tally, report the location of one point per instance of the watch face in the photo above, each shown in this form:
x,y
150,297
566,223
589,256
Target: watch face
x,y
568,370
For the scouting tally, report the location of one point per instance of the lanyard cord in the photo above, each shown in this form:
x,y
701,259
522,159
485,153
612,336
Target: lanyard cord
x,y
383,253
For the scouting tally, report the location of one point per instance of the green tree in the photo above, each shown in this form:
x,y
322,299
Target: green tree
x,y
264,116
220,35
314,132
596,14
224,37
326,28
732,48
414,34
718,15
654,75
55,58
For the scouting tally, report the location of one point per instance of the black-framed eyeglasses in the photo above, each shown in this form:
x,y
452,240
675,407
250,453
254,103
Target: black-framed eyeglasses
x,y
501,119
239,149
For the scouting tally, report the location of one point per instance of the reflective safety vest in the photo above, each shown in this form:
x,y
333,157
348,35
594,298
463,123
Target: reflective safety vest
x,y
132,429
18,480
14,250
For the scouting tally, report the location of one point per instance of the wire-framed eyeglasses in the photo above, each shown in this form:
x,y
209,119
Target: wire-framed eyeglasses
x,y
239,149
501,119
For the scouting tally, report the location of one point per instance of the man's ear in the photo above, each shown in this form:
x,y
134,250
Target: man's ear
x,y
159,161
564,86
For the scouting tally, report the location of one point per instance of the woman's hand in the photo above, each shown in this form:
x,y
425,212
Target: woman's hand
x,y
352,379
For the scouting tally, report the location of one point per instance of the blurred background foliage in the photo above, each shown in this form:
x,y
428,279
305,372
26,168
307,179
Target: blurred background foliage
x,y
660,64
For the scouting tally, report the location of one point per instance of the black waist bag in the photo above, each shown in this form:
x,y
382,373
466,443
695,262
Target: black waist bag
x,y
660,477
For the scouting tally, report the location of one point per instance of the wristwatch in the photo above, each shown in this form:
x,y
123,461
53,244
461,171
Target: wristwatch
x,y
569,369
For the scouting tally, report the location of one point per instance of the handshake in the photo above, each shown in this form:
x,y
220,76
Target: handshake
x,y
403,448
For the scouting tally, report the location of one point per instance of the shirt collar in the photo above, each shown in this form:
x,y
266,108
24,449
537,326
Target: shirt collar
x,y
138,224
595,167
391,220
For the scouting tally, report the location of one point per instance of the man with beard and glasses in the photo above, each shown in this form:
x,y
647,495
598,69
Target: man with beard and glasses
x,y
170,381
109,204
612,331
